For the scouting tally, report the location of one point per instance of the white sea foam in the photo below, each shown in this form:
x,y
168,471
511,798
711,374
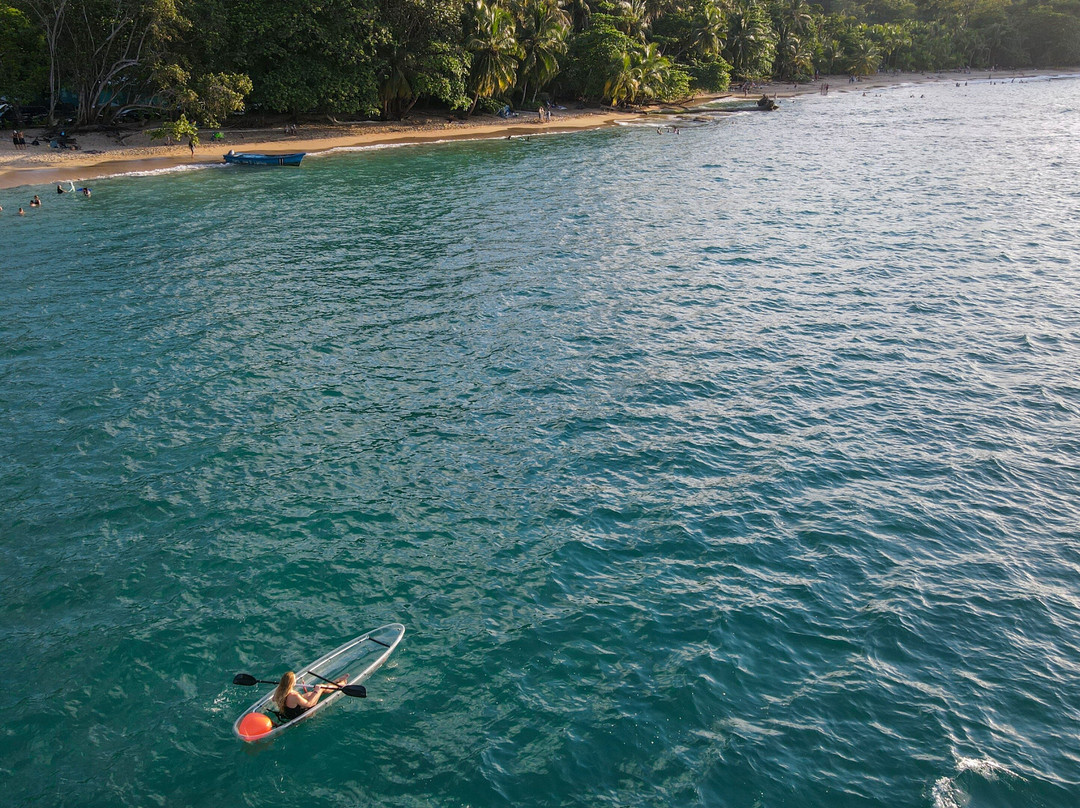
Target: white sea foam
x,y
976,78
368,147
659,122
948,793
153,172
986,767
504,136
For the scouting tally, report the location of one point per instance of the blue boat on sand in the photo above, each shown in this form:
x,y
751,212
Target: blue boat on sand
x,y
247,159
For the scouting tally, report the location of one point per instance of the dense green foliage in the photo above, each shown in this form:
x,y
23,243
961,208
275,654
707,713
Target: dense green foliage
x,y
207,59
23,74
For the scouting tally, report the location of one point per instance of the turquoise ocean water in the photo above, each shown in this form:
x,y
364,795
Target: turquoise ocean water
x,y
731,468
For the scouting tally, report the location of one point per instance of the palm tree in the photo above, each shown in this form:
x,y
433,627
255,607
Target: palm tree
x,y
395,87
801,58
797,17
902,40
543,30
578,11
750,42
652,72
794,25
793,59
865,58
890,38
623,86
635,18
495,51
997,41
710,37
642,75
831,52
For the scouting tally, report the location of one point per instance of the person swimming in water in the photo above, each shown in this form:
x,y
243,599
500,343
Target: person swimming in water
x,y
292,704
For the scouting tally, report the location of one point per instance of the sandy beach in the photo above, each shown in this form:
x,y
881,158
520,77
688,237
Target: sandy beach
x,y
102,154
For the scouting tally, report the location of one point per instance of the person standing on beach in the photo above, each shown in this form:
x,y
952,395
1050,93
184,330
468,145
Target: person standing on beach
x,y
15,139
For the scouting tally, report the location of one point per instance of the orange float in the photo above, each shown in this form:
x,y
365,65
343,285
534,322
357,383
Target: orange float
x,y
254,726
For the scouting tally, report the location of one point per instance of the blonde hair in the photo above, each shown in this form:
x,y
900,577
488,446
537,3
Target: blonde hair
x,y
284,688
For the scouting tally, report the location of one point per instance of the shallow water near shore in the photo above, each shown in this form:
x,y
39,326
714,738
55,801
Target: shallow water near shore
x,y
729,468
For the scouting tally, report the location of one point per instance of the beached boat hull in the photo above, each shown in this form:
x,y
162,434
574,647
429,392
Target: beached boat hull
x,y
244,159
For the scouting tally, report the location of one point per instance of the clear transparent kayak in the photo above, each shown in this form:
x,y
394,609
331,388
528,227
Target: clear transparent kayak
x,y
357,659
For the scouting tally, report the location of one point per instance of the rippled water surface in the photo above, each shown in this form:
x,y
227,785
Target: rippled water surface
x,y
729,468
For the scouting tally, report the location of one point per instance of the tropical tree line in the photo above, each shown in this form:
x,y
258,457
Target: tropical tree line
x,y
203,60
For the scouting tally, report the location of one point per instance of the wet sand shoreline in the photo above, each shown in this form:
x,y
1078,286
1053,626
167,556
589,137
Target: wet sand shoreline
x,y
100,156
103,155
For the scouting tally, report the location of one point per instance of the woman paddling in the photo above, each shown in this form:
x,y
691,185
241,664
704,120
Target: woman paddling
x,y
291,704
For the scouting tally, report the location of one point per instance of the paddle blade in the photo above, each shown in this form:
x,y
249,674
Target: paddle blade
x,y
359,691
244,679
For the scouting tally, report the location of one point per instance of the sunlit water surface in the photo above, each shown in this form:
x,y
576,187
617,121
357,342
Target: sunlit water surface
x,y
737,467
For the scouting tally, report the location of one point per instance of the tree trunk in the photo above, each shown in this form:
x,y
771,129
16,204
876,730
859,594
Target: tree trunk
x,y
50,14
50,38
104,49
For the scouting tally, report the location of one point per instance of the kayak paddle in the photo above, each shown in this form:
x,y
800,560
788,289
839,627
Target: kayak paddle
x,y
246,679
357,691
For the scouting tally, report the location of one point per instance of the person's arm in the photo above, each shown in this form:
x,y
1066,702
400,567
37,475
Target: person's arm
x,y
306,700
309,700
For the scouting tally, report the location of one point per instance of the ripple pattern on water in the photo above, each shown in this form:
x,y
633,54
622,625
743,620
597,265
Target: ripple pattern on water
x,y
732,468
